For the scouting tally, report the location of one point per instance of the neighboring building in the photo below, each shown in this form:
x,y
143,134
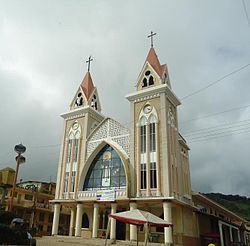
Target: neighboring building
x,y
7,176
106,168
217,224
6,180
31,202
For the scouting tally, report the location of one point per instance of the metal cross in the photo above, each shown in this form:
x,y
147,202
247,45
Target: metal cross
x,y
151,36
88,61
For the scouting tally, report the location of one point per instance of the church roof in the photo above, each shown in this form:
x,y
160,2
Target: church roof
x,y
153,60
87,85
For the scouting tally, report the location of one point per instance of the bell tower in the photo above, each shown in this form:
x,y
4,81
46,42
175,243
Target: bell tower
x,y
155,141
83,116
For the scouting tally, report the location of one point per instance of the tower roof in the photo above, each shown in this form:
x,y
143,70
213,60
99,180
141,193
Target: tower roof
x,y
87,85
153,60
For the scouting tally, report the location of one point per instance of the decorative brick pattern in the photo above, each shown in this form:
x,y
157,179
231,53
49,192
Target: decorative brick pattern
x,y
116,129
110,129
101,133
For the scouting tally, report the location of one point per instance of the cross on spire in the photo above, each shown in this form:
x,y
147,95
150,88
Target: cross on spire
x,y
88,61
151,37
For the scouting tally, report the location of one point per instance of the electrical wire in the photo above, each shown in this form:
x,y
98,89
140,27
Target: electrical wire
x,y
212,127
215,130
218,113
245,10
218,133
215,82
212,138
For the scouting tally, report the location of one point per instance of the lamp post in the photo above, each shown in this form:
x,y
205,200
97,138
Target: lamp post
x,y
19,149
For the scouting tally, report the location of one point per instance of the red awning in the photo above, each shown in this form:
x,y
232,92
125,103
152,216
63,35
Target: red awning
x,y
139,217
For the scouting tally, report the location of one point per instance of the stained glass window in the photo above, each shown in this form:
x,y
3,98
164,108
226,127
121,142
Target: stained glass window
x,y
106,171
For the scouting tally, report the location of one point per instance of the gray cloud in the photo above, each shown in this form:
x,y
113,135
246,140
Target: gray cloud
x,y
43,49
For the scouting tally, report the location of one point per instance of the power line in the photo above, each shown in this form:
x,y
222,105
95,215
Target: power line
x,y
218,113
215,130
219,133
128,123
211,138
245,10
215,82
207,128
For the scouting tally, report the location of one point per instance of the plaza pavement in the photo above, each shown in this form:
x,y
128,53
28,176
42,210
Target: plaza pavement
x,y
71,241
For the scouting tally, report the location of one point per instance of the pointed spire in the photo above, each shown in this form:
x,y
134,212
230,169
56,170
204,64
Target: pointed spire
x,y
87,85
153,60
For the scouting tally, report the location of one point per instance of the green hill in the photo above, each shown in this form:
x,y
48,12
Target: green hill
x,y
235,203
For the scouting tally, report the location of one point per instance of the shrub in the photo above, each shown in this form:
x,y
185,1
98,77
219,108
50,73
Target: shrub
x,y
6,217
17,236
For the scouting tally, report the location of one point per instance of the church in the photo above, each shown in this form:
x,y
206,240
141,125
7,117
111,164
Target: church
x,y
105,168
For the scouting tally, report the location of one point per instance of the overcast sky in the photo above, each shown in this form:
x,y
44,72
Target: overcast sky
x,y
43,49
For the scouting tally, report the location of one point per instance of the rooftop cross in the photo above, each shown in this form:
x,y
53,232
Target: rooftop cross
x,y
88,61
151,36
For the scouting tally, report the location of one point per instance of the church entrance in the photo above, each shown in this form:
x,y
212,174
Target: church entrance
x,y
103,222
120,229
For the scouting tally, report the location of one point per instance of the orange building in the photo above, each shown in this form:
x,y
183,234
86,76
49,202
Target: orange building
x,y
31,202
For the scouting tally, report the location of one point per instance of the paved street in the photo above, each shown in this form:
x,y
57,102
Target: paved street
x,y
60,240
69,241
65,241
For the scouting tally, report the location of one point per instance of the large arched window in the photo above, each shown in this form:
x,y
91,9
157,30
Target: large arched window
x,y
106,171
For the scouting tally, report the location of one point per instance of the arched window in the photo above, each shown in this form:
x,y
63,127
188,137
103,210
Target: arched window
x,y
72,157
69,156
79,100
152,122
148,149
75,157
143,138
94,102
152,129
172,148
106,171
85,221
171,119
148,79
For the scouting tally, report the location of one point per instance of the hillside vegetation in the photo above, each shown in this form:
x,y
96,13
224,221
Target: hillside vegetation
x,y
235,203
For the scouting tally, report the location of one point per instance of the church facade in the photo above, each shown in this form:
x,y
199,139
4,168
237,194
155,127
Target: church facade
x,y
106,168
